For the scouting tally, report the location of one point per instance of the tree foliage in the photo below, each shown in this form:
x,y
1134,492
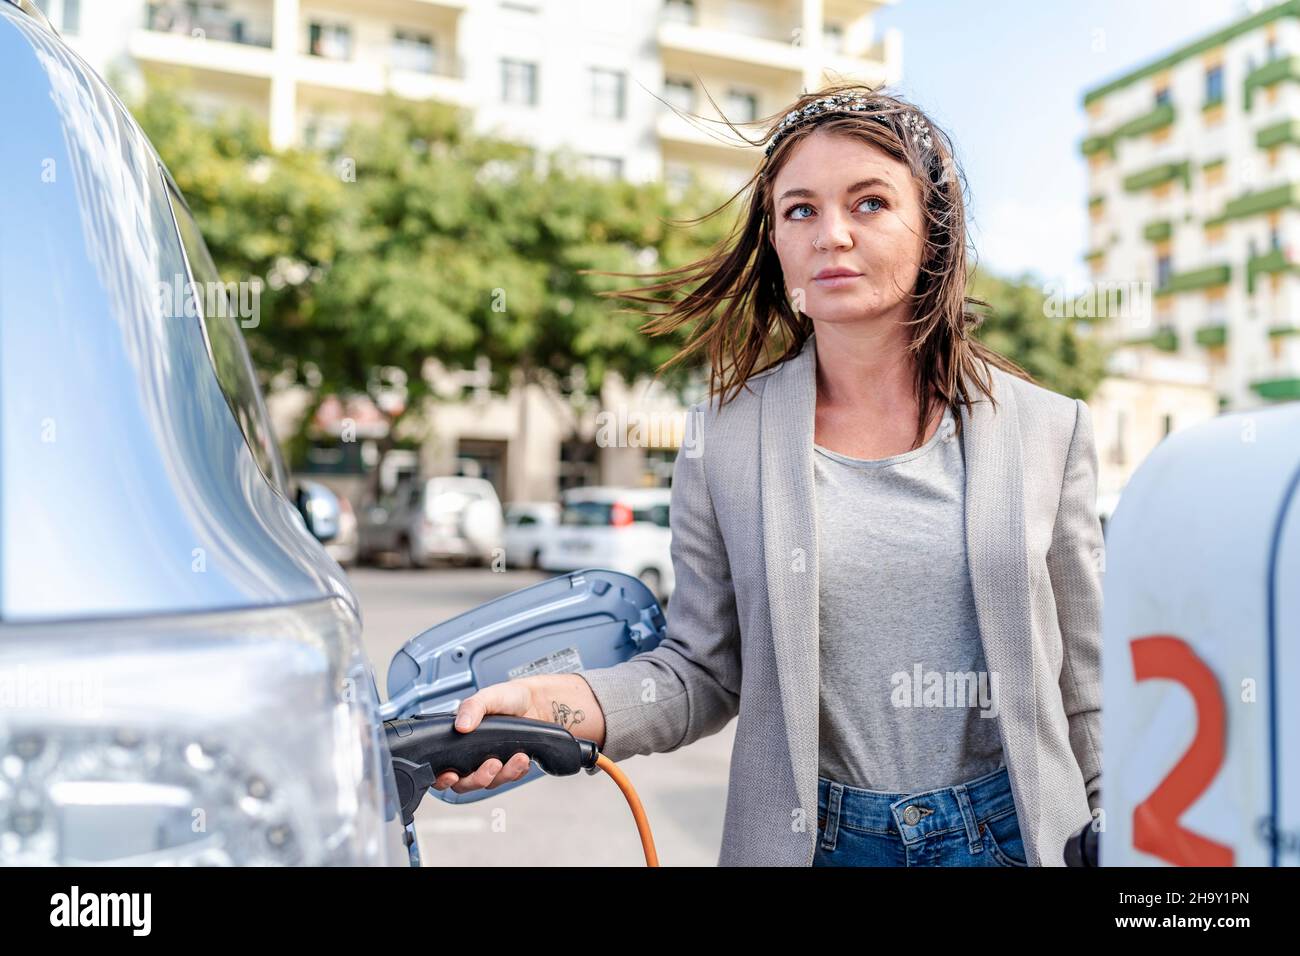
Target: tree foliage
x,y
417,239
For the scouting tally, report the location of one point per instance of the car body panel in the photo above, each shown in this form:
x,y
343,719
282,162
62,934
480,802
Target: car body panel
x,y
115,435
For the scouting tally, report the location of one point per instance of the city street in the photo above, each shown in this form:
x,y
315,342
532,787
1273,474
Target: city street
x,y
580,820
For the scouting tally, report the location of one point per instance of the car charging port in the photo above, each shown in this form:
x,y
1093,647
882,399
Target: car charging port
x,y
424,747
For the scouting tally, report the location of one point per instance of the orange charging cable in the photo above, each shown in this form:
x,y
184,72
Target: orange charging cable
x,y
633,801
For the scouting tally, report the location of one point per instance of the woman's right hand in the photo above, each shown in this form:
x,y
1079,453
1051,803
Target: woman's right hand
x,y
565,699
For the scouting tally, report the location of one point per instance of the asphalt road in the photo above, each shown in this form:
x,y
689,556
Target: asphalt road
x,y
581,820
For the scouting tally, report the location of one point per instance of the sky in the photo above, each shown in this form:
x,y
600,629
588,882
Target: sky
x,y
1005,79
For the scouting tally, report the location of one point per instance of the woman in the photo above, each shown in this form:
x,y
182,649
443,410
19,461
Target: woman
x,y
885,542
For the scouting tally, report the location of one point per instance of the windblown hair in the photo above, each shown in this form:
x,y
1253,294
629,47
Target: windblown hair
x,y
735,302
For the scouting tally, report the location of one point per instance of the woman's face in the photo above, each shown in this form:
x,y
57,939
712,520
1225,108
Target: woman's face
x,y
848,230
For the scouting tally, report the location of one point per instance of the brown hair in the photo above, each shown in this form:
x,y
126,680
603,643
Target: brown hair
x,y
735,299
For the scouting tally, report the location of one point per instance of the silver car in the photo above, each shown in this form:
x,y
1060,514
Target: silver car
x,y
181,671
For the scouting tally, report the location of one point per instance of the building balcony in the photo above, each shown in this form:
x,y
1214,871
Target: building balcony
x,y
1158,176
1212,336
182,19
376,78
1257,202
1275,71
1196,279
1165,339
1158,231
219,44
730,46
1154,121
1271,262
1287,131
1277,389
768,47
1277,376
715,138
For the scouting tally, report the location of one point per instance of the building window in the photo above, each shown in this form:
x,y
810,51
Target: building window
x,y
679,177
519,82
325,133
1274,238
412,51
1167,422
741,107
1214,84
607,93
680,94
333,41
1163,96
604,167
579,464
680,11
1164,269
71,19
833,38
657,473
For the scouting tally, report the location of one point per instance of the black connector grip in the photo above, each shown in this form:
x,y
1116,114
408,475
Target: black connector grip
x,y
424,747
1081,848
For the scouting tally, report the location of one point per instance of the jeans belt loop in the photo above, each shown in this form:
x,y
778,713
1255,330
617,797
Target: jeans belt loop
x,y
973,835
832,829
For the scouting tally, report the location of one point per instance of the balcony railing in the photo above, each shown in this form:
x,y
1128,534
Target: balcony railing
x,y
1205,278
1277,389
1271,262
207,23
1212,336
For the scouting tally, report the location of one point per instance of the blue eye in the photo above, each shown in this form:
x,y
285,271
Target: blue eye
x,y
790,213
874,199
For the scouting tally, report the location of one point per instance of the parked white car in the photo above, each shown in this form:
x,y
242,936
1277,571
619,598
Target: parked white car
x,y
529,525
445,518
623,529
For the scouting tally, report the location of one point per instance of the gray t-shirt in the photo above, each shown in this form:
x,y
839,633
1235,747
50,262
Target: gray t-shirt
x,y
903,677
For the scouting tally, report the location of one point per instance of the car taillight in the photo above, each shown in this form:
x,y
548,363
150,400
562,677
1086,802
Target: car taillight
x,y
236,738
620,515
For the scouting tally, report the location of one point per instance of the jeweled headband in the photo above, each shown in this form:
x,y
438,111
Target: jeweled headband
x,y
846,103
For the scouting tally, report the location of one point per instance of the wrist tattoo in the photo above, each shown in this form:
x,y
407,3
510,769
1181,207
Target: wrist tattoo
x,y
565,715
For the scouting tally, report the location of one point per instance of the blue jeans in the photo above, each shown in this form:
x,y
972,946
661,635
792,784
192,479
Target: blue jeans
x,y
971,824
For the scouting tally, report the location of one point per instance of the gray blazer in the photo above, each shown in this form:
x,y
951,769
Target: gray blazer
x,y
742,635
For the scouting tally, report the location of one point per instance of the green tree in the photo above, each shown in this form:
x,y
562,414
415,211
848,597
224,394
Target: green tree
x,y
1059,352
417,239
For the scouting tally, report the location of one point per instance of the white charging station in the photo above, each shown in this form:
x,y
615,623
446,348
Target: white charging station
x,y
1201,650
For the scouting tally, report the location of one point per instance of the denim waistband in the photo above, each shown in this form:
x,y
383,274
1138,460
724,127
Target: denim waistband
x,y
915,816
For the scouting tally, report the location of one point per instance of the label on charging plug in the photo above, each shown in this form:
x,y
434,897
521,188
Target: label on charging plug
x,y
563,661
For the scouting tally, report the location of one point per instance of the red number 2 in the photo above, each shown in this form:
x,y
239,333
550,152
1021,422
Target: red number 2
x,y
1156,829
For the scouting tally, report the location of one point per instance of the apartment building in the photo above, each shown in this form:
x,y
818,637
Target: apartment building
x,y
592,76
604,80
1193,163
1194,191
